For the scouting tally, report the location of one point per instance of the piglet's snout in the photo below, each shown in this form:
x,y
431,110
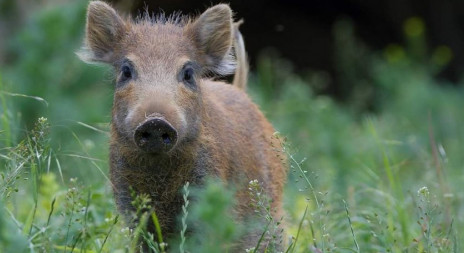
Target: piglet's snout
x,y
155,135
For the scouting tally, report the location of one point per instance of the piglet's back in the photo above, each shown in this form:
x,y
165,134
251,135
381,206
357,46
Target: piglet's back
x,y
242,139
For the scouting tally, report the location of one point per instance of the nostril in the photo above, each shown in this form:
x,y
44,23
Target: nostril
x,y
145,136
166,139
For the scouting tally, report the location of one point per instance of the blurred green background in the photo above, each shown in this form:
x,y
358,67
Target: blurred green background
x,y
397,129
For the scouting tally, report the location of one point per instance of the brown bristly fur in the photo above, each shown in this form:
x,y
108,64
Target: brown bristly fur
x,y
221,132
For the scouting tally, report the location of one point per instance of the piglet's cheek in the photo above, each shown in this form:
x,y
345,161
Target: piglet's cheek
x,y
128,118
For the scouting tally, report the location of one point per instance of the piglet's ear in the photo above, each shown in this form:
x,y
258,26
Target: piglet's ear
x,y
212,34
104,30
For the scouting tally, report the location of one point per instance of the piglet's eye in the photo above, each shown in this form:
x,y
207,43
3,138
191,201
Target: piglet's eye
x,y
126,72
187,76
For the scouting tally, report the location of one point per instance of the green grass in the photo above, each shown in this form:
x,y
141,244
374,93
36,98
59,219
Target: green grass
x,y
379,172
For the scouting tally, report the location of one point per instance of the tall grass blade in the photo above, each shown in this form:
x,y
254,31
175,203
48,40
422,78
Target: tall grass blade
x,y
26,96
52,207
262,237
59,169
85,228
154,218
5,119
76,241
138,231
184,217
92,160
27,227
108,234
395,187
351,227
299,228
92,128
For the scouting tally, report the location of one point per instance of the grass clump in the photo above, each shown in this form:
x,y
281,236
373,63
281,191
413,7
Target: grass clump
x,y
272,235
212,215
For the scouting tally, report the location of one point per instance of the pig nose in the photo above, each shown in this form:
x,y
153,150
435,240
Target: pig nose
x,y
155,135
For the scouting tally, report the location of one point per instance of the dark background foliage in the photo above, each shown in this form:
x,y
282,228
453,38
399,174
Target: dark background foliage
x,y
303,30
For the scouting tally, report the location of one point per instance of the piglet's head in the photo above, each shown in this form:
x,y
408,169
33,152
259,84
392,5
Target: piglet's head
x,y
159,64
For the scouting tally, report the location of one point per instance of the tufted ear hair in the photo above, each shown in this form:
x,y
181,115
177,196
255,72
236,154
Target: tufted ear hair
x,y
104,29
212,34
